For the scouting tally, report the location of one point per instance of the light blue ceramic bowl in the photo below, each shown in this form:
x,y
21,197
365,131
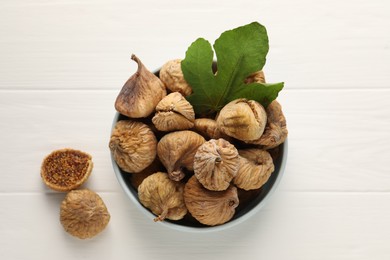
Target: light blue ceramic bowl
x,y
242,212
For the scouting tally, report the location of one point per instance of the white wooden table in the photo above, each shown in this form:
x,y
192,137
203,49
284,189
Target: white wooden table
x,y
62,64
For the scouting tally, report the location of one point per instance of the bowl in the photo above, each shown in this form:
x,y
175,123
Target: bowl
x,y
243,212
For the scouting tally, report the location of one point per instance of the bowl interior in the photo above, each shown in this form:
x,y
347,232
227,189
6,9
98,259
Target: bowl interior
x,y
243,211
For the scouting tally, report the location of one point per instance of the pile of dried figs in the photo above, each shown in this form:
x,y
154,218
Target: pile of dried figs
x,y
83,213
188,166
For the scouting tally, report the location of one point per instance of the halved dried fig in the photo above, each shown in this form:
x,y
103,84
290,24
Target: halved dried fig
x,y
66,169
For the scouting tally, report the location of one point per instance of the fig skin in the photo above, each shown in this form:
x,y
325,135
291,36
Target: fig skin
x,y
137,178
174,112
162,196
216,163
275,132
141,93
256,166
83,214
133,145
173,78
242,119
177,150
210,207
257,77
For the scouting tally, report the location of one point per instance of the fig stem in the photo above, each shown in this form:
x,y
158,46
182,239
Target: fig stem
x,y
139,63
162,216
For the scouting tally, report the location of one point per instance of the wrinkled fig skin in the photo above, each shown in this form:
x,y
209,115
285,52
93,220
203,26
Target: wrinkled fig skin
x,y
133,145
210,207
174,112
256,166
208,128
176,151
275,132
83,214
173,78
216,163
256,77
242,119
137,178
141,93
163,197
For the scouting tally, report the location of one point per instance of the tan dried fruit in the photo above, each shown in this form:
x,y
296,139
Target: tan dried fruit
x,y
83,214
137,178
216,163
163,197
242,119
210,207
176,151
256,77
256,166
141,93
66,169
133,145
275,132
173,78
174,112
207,127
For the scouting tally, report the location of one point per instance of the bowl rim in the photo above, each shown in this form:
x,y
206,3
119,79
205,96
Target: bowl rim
x,y
206,229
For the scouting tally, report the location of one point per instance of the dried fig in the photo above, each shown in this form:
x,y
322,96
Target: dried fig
x,y
174,112
176,151
66,169
216,163
173,78
207,127
242,119
210,207
133,145
163,197
256,77
83,213
137,178
256,166
275,132
141,93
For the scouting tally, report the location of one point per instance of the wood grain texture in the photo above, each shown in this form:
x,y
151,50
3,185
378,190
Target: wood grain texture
x,y
336,143
293,226
62,63
70,45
